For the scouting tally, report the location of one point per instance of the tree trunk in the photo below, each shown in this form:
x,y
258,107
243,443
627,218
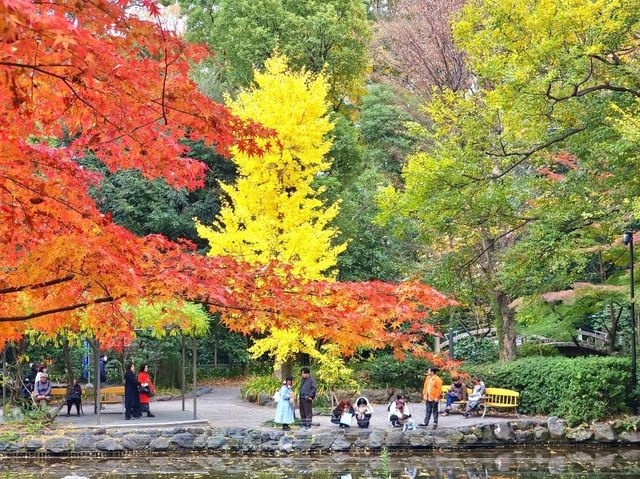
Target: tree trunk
x,y
66,354
508,349
286,369
19,351
504,315
613,330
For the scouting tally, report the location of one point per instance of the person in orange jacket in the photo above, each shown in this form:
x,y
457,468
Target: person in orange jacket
x,y
431,393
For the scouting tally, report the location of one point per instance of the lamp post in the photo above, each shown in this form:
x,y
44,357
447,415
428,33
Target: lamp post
x,y
627,239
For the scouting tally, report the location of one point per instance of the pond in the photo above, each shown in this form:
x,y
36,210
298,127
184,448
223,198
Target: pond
x,y
470,464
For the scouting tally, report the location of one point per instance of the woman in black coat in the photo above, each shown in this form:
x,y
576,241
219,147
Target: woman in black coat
x,y
131,398
74,397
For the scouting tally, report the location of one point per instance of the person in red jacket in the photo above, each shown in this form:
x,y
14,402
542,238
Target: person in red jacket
x,y
146,389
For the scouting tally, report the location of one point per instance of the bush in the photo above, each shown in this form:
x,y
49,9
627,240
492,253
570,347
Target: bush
x,y
385,371
476,350
577,389
540,349
255,385
269,384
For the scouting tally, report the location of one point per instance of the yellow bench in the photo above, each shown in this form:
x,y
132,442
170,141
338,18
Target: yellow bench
x,y
493,397
60,394
108,394
112,395
500,398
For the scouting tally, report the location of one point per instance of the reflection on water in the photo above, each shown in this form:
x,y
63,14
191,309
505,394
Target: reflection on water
x,y
474,464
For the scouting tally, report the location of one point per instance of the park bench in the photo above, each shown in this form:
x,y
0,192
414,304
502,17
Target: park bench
x,y
112,395
108,395
496,398
58,394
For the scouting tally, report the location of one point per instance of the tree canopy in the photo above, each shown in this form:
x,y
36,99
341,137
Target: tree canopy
x,y
118,86
273,211
314,34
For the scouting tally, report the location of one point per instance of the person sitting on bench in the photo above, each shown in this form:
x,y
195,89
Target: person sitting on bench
x,y
42,390
475,396
74,398
457,392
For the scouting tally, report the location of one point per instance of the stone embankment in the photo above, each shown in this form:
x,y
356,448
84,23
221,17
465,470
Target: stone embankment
x,y
274,441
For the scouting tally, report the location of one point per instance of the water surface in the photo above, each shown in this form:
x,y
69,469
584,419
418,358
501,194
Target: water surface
x,y
533,463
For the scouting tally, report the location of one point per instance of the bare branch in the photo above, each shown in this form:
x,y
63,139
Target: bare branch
x,y
525,155
414,42
492,244
63,309
44,284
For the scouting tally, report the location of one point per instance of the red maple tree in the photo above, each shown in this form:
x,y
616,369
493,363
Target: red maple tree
x,y
118,86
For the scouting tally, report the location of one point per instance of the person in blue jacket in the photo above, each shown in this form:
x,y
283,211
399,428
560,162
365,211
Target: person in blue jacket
x,y
285,408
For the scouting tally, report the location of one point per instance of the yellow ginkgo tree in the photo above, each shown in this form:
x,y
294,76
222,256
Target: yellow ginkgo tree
x,y
273,211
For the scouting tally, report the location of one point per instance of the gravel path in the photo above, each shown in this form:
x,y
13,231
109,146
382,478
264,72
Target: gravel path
x,y
224,407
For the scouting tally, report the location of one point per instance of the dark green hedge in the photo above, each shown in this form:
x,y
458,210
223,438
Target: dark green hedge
x,y
576,389
385,371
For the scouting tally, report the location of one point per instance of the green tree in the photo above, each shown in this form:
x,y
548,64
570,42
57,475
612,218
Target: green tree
x,y
524,172
152,206
314,34
465,224
372,252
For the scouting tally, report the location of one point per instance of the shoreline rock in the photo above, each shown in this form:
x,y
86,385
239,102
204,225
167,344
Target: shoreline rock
x,y
264,441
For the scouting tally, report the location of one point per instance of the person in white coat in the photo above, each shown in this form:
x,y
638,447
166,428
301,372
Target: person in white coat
x,y
363,412
397,410
475,396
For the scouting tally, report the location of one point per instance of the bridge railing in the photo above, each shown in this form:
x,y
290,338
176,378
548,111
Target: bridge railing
x,y
598,340
488,333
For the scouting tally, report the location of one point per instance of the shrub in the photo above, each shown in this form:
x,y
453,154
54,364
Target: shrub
x,y
476,350
385,371
269,384
255,385
577,389
540,349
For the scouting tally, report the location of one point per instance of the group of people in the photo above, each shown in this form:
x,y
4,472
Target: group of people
x,y
432,392
285,401
138,390
39,387
400,415
345,412
398,410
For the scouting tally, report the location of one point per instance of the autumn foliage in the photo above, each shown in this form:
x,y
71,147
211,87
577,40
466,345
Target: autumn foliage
x,y
91,76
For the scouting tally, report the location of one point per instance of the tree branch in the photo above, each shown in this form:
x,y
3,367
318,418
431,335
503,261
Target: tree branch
x,y
605,86
492,243
27,317
577,92
525,155
44,284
